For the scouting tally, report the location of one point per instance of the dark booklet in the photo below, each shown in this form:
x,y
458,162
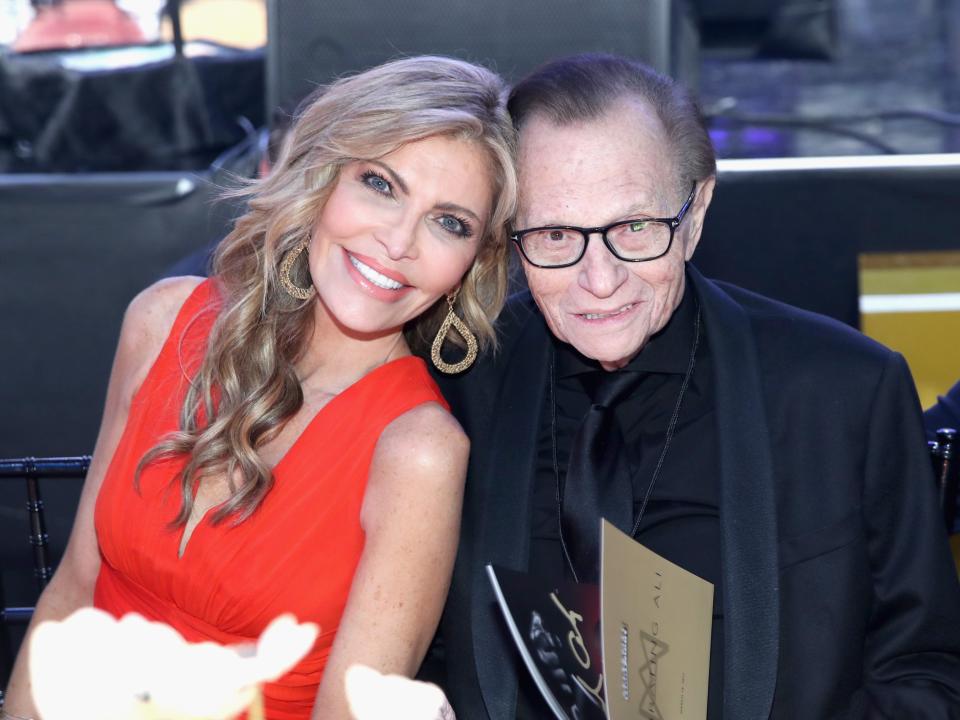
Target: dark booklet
x,y
556,626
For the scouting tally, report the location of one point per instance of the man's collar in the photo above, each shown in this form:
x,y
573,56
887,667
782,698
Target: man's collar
x,y
666,352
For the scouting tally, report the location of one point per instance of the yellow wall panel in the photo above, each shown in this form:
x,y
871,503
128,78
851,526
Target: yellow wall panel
x,y
911,302
929,341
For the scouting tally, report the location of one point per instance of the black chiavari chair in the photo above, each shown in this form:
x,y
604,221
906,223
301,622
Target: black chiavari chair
x,y
31,471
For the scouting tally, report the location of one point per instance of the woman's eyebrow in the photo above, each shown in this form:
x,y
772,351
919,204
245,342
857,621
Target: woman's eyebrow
x,y
453,207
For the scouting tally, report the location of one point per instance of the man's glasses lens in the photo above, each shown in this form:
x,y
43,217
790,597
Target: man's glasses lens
x,y
552,246
639,239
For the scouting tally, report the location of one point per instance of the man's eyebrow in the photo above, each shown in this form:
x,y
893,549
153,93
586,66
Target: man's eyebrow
x,y
453,207
639,210
646,205
393,176
633,212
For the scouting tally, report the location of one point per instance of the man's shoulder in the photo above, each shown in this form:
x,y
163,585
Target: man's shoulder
x,y
802,334
801,354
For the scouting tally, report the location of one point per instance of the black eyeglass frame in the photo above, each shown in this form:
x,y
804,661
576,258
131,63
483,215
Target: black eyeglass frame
x,y
672,223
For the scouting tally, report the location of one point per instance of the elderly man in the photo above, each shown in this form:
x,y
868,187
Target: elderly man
x,y
775,453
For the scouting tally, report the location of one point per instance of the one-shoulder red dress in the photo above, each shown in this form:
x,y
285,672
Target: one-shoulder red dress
x,y
298,551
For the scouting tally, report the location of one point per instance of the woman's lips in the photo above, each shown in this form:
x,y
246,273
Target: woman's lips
x,y
387,286
378,268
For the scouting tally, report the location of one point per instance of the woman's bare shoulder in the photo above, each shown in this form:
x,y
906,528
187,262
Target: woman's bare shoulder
x,y
147,323
429,438
155,308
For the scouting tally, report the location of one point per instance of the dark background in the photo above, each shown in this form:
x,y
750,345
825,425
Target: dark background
x,y
889,55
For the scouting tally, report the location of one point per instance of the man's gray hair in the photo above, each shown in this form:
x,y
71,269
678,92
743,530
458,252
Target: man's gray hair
x,y
584,87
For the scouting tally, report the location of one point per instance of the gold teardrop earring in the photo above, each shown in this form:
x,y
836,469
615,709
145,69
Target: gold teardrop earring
x,y
451,320
294,291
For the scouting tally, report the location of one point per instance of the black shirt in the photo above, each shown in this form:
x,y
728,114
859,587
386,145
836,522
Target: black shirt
x,y
681,521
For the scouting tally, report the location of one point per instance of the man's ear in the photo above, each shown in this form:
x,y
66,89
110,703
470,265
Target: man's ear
x,y
696,215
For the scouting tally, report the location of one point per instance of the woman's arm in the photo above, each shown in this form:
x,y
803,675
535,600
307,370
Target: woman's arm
x,y
146,325
411,516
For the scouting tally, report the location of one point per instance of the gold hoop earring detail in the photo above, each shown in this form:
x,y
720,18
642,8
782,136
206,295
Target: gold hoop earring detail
x,y
294,291
451,320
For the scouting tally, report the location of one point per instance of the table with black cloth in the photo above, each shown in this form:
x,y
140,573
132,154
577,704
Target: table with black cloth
x,y
133,108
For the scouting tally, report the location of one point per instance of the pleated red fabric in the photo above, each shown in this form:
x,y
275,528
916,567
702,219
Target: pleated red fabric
x,y
299,550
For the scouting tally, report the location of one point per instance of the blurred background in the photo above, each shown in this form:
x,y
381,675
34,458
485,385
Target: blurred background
x,y
837,121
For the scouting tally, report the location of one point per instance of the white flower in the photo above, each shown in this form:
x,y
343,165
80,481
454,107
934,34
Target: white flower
x,y
93,667
373,696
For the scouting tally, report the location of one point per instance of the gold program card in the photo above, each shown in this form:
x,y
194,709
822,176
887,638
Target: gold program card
x,y
656,622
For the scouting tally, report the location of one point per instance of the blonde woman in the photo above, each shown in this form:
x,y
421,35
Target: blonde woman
x,y
270,442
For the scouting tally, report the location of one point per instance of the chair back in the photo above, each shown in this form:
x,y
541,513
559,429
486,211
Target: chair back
x,y
31,470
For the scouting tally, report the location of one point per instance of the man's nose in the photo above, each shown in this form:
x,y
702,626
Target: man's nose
x,y
601,273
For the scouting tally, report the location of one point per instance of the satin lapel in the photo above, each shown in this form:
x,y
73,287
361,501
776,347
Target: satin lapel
x,y
505,529
747,510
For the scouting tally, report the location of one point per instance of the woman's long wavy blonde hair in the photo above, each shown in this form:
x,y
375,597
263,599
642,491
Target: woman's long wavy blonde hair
x,y
247,386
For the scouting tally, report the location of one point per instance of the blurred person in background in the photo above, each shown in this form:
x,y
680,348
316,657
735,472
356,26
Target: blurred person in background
x,y
198,262
944,414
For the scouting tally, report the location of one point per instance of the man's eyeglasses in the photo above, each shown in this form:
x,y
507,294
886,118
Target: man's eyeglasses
x,y
637,240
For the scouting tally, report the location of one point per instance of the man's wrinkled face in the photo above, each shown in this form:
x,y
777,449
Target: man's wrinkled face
x,y
591,174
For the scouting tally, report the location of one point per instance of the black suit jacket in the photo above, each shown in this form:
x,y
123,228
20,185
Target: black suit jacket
x,y
840,596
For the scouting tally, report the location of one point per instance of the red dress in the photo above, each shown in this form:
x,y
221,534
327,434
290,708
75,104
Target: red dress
x,y
299,550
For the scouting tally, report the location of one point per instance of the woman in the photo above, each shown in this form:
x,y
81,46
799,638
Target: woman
x,y
269,443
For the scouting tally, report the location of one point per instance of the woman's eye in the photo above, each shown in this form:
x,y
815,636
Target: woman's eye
x,y
455,225
377,182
